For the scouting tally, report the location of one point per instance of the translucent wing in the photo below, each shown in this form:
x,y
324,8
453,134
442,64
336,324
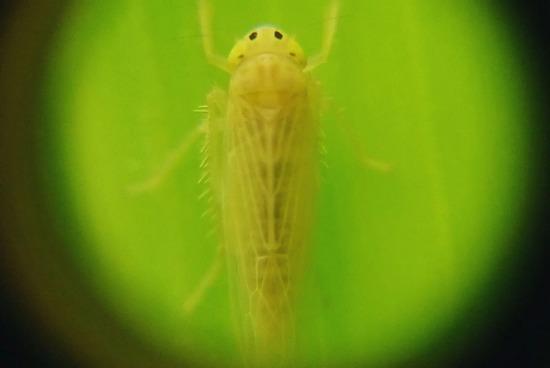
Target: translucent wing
x,y
270,178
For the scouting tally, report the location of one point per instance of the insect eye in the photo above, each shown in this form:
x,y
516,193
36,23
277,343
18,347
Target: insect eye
x,y
278,35
253,36
292,54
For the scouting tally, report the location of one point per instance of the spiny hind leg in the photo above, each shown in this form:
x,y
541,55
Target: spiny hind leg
x,y
169,164
205,22
217,101
331,23
205,284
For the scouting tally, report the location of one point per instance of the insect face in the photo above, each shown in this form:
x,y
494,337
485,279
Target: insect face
x,y
266,40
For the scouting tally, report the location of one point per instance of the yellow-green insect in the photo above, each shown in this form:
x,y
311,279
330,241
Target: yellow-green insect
x,y
262,163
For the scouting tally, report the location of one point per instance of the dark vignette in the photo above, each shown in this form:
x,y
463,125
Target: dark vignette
x,y
522,328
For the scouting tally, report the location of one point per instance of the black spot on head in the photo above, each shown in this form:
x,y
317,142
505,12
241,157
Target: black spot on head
x,y
292,54
278,35
241,56
253,36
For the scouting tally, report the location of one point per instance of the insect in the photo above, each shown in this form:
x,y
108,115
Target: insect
x,y
262,148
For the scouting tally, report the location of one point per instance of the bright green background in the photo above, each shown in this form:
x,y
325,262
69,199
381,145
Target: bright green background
x,y
429,86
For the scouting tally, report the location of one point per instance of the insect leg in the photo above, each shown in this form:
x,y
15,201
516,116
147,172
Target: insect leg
x,y
169,164
328,37
205,22
206,283
213,150
359,150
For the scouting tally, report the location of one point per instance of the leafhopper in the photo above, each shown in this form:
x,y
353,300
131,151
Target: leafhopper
x,y
261,162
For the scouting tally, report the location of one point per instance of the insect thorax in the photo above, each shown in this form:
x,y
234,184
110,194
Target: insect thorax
x,y
268,80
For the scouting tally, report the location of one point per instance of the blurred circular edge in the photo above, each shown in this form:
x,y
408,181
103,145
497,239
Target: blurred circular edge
x,y
504,323
37,268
